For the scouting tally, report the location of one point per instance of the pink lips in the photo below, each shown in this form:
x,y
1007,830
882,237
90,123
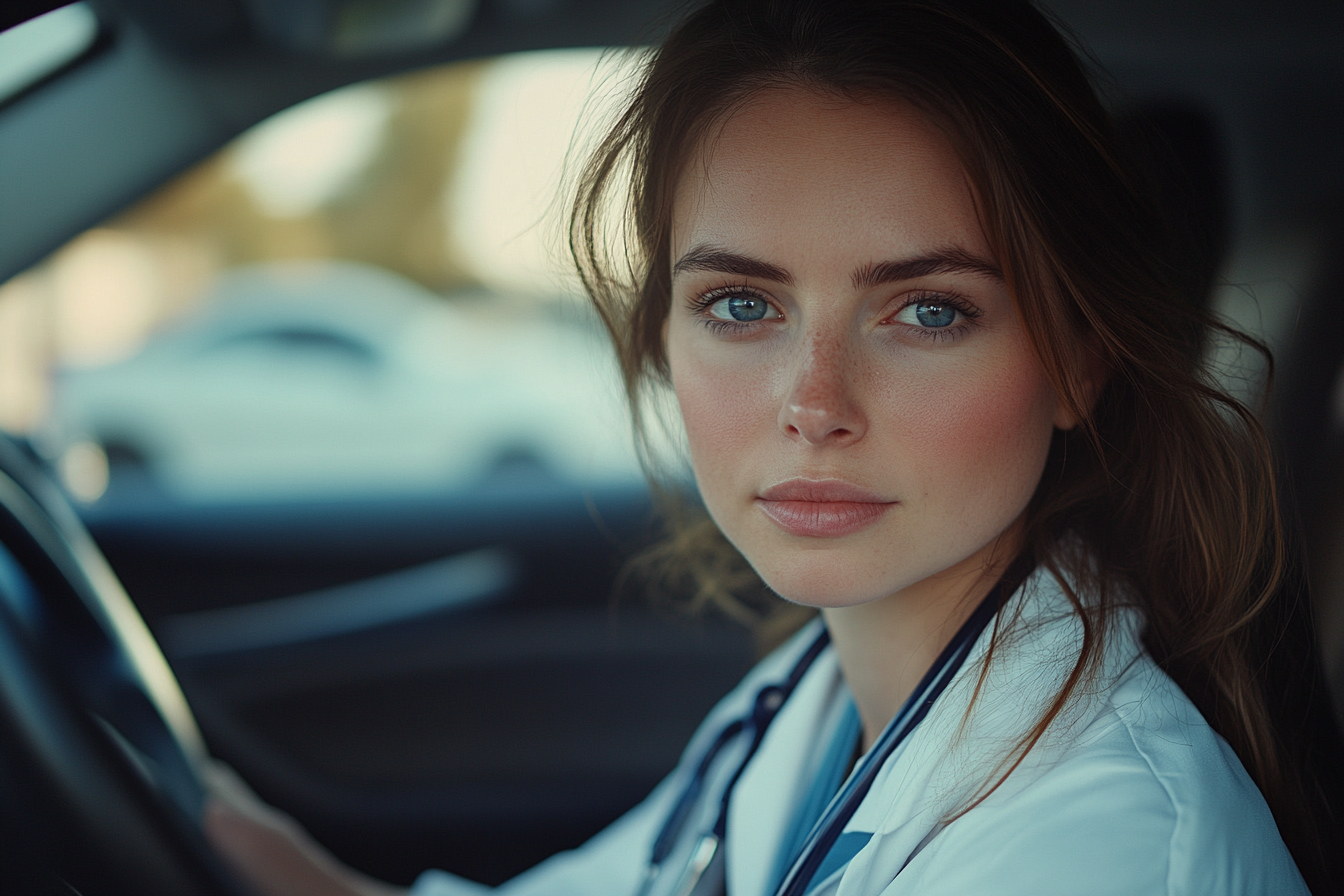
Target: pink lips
x,y
821,508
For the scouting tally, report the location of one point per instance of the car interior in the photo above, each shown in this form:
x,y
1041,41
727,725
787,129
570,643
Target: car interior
x,y
453,672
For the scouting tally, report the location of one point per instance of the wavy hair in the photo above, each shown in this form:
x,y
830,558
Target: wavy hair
x,y
1169,480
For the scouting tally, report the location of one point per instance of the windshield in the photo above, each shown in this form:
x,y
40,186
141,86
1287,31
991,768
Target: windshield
x,y
367,293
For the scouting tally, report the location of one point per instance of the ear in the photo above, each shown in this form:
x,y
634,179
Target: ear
x,y
1095,374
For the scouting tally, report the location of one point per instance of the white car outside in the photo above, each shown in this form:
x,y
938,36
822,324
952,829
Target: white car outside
x,y
335,377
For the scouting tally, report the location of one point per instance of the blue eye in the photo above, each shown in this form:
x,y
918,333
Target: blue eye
x,y
746,308
742,308
935,314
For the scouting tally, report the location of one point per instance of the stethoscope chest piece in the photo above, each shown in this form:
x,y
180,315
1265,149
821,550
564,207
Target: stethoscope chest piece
x,y
704,873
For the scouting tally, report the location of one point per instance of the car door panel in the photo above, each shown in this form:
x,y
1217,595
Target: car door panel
x,y
478,735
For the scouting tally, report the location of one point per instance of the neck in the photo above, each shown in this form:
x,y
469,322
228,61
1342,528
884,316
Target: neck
x,y
885,646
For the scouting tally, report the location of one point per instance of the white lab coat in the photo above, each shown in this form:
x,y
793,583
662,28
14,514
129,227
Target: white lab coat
x,y
1129,792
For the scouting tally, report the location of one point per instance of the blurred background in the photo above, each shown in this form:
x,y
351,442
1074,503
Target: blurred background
x,y
369,291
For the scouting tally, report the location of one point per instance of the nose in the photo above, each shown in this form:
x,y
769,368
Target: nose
x,y
820,407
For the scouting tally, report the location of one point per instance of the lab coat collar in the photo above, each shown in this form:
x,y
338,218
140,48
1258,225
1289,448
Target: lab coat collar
x,y
946,763
964,746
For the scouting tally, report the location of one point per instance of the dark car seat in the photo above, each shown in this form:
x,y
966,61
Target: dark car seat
x,y
1308,418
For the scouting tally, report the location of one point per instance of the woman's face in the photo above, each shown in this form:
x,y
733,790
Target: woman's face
x,y
863,406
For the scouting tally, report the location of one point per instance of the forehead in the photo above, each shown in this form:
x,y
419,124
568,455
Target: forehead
x,y
795,170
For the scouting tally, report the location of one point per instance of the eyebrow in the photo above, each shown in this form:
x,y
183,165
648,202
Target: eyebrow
x,y
721,261
941,261
950,260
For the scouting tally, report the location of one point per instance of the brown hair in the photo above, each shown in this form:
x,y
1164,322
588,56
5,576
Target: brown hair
x,y
1169,480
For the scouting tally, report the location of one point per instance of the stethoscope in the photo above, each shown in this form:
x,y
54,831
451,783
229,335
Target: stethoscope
x,y
706,856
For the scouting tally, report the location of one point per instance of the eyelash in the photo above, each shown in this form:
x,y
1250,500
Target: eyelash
x,y
703,302
940,334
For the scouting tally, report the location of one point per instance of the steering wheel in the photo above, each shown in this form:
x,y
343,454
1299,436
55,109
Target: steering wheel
x,y
100,758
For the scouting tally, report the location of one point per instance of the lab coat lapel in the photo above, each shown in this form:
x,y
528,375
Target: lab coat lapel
x,y
761,808
953,755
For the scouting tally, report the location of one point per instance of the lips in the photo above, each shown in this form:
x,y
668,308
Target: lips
x,y
822,508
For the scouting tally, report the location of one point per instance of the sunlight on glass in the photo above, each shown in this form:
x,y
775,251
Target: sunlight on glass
x,y
83,470
369,292
24,359
306,156
104,292
535,120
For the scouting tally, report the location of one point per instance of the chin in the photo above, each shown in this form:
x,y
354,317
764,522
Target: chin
x,y
825,585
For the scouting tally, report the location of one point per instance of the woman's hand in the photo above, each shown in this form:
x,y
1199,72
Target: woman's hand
x,y
270,851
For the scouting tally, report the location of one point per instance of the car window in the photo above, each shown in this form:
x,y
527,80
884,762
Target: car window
x,y
366,293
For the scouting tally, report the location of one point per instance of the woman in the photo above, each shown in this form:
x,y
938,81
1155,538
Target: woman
x,y
935,382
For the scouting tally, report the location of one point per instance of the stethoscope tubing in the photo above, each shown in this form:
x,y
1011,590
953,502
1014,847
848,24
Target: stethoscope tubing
x,y
845,803
769,700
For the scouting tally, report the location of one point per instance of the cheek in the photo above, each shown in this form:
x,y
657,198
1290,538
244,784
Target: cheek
x,y
720,405
981,437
